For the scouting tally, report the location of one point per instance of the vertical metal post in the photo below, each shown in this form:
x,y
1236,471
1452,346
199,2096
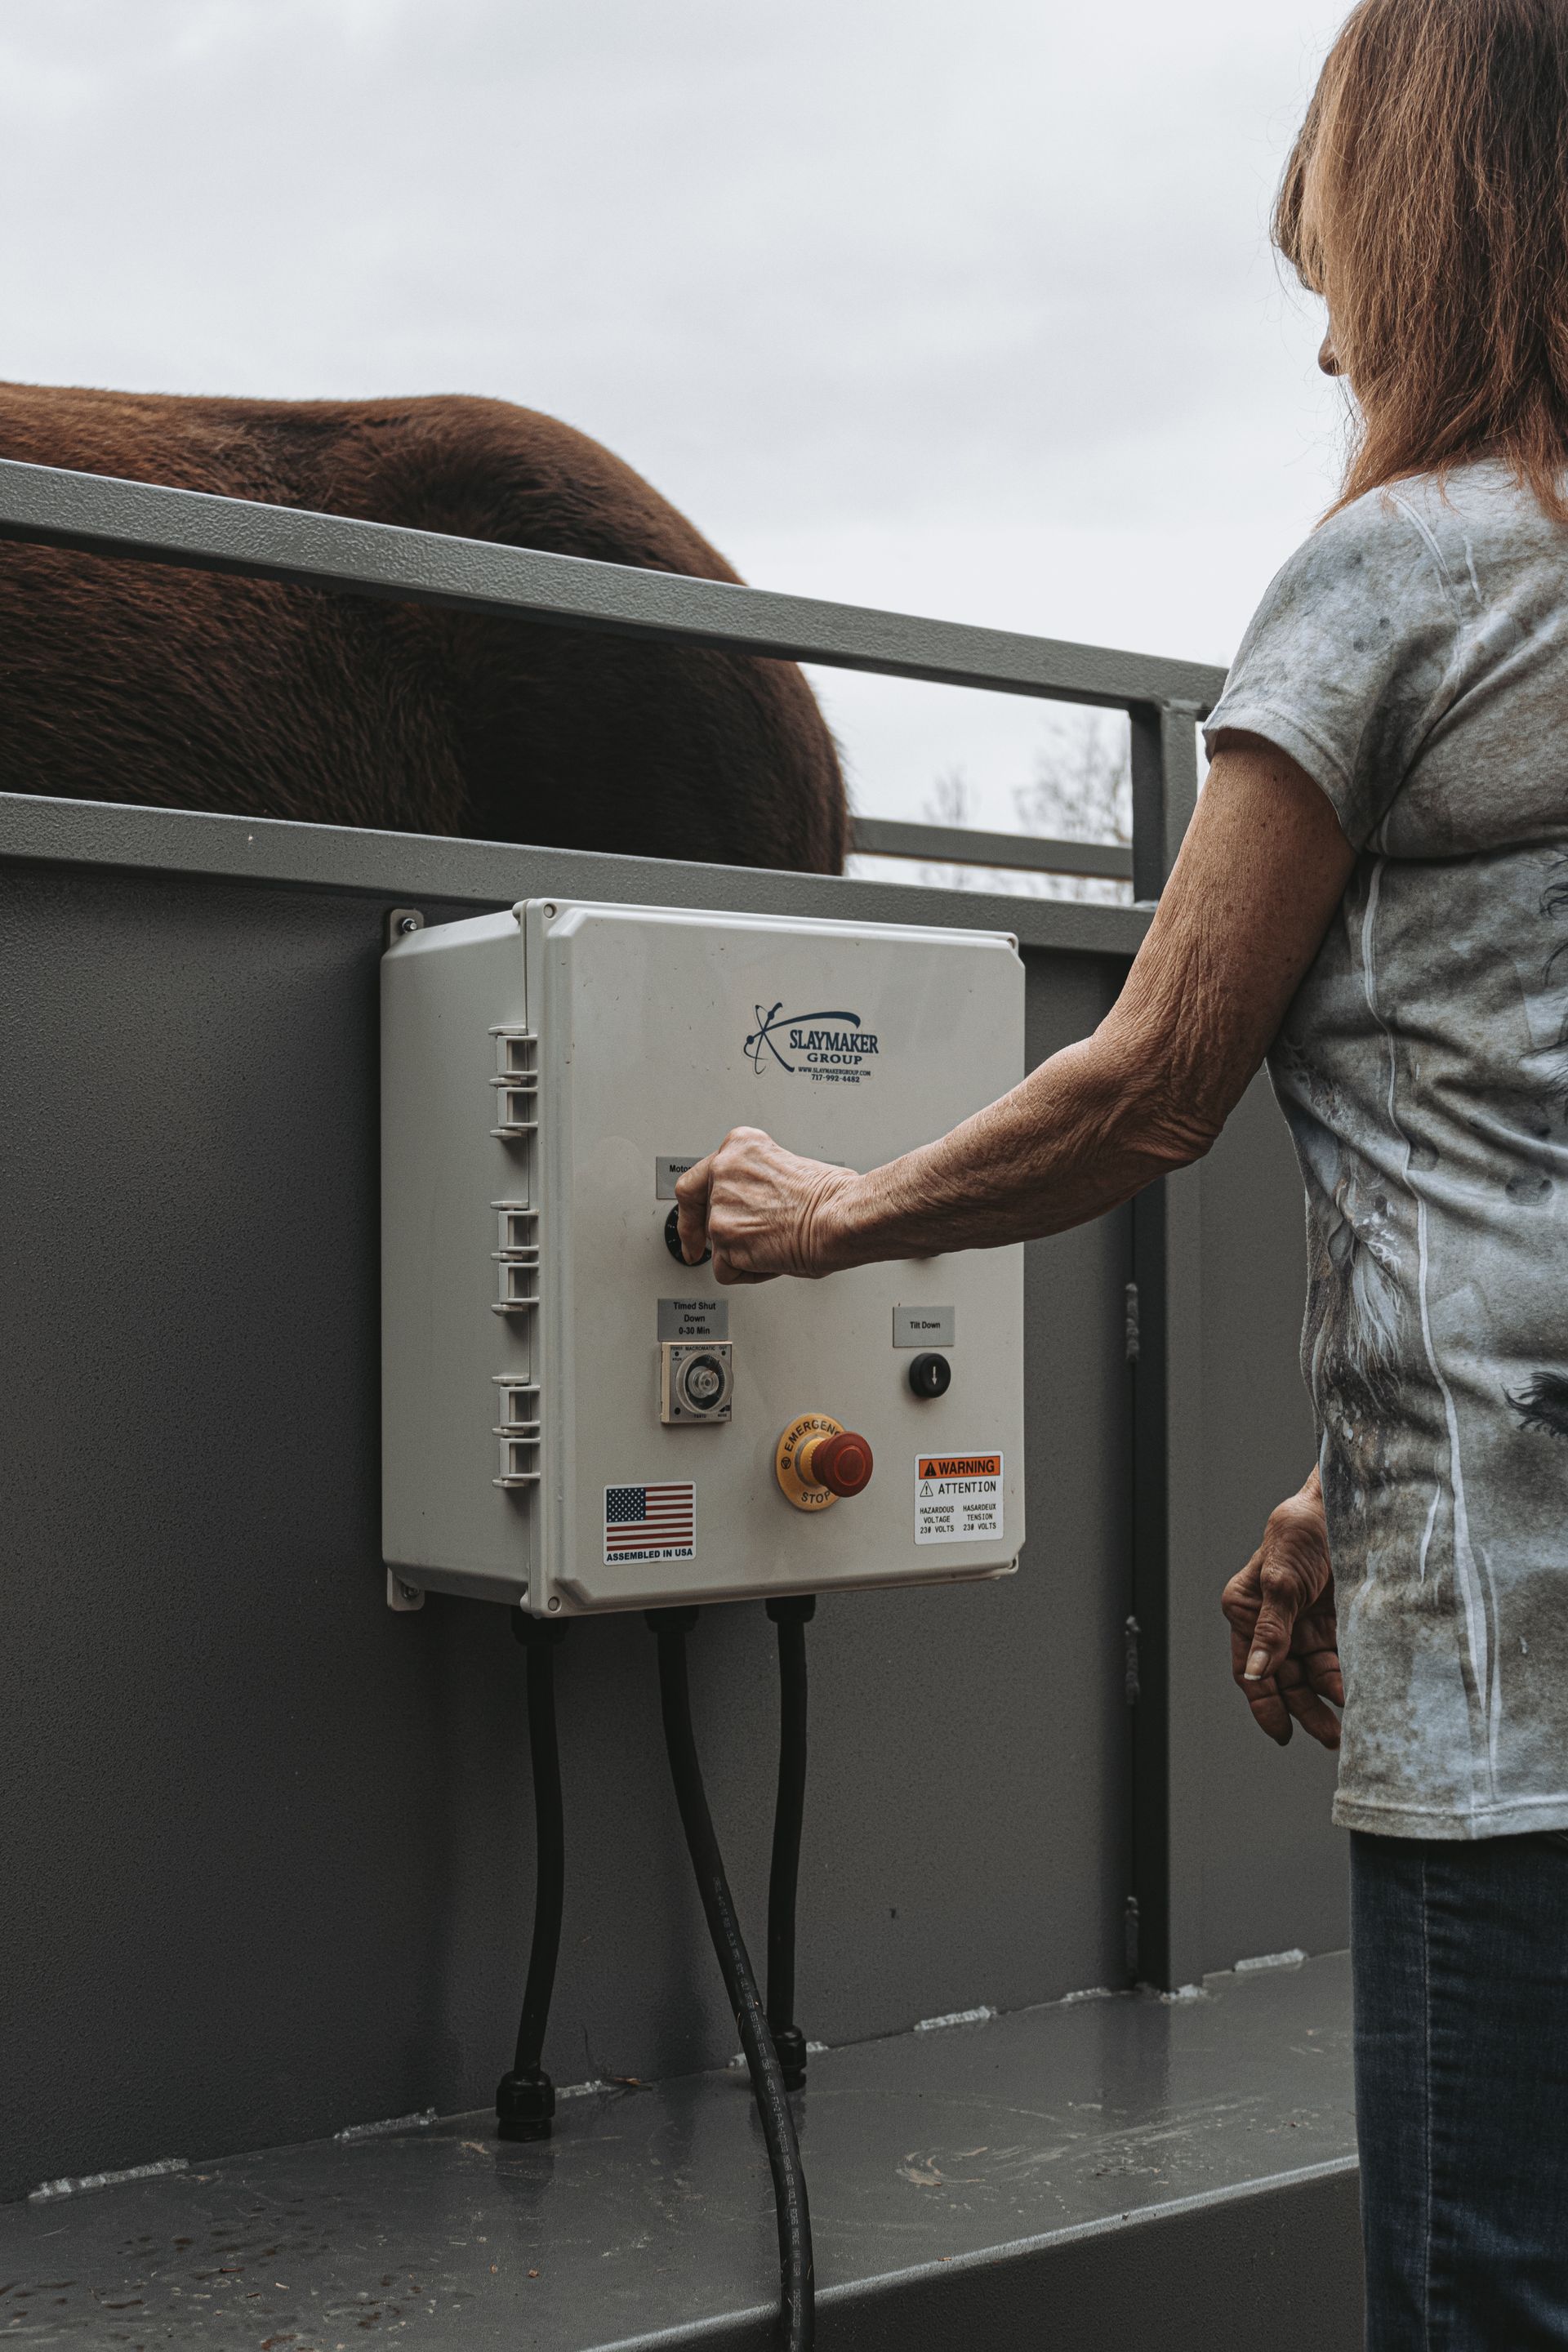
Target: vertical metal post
x,y
1170,1594
1164,788
1168,1599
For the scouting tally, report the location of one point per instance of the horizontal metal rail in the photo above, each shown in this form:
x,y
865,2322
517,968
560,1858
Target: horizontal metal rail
x,y
102,515
107,517
1027,853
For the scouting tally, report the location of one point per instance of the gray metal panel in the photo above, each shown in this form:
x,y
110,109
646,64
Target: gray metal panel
x,y
1116,2172
1235,1853
108,517
1259,1803
274,1838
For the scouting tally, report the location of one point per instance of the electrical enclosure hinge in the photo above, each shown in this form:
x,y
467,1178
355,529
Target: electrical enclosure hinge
x,y
1130,1326
1130,1686
516,1084
517,1258
1130,1935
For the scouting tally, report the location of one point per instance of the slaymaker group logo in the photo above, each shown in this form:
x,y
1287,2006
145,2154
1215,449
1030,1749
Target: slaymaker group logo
x,y
812,1045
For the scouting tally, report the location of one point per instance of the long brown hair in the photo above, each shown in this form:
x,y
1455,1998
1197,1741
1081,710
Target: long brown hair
x,y
1426,199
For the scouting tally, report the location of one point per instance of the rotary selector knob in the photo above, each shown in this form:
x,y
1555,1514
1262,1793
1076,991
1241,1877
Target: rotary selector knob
x,y
672,1240
818,1460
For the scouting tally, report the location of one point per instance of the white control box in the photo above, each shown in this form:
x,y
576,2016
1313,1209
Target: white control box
x,y
575,1420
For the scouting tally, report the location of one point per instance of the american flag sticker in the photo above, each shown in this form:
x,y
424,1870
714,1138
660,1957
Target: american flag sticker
x,y
650,1522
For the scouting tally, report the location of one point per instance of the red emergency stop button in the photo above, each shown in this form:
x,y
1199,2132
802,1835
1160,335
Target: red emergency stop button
x,y
818,1460
841,1463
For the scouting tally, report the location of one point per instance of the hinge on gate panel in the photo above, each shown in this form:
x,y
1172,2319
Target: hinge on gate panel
x,y
1129,1934
1129,1689
1130,1325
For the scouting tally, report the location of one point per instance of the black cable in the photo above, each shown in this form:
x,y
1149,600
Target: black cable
x,y
791,1617
795,2279
525,2099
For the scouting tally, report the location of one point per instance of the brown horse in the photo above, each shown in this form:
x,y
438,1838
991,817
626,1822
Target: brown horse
x,y
127,681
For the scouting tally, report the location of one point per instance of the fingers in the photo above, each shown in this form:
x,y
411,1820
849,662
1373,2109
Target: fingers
x,y
1279,1702
1270,1712
1285,1697
759,1208
1283,1638
1303,1688
1323,1671
692,1192
1241,1596
1316,1650
1318,1721
1289,1573
717,1204
1273,1625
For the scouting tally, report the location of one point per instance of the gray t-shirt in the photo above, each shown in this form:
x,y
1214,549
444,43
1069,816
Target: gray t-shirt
x,y
1413,657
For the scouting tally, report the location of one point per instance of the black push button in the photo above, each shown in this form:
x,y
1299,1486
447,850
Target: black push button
x,y
672,1244
930,1376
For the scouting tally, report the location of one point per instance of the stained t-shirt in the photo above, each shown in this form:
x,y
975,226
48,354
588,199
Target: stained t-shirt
x,y
1413,657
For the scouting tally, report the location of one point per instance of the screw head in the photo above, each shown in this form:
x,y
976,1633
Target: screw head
x,y
408,1591
553,1602
405,923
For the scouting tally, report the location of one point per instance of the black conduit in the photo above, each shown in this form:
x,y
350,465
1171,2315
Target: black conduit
x,y
791,1617
796,2288
525,2099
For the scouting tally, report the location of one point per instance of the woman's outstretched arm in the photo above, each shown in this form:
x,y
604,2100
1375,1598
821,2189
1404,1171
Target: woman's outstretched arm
x,y
1261,872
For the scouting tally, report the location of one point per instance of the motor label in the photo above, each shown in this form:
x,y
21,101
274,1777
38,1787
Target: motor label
x,y
958,1497
667,1171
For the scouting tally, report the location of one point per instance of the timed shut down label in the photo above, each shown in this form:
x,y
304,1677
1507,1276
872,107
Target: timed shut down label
x,y
958,1497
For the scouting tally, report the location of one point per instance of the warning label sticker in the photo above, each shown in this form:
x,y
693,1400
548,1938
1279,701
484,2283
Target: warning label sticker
x,y
958,1497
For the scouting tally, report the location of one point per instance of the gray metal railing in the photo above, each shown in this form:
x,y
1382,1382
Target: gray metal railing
x,y
955,844
1164,700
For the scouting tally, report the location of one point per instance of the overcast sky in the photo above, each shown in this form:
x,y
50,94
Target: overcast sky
x,y
967,309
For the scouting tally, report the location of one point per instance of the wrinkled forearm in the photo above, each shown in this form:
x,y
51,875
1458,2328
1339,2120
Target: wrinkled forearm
x,y
1261,871
1083,1133
1254,890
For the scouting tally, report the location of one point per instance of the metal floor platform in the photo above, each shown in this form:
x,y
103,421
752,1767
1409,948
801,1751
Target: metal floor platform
x,y
1177,2173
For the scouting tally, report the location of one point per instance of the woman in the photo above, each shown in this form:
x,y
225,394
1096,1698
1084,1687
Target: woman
x,y
1374,893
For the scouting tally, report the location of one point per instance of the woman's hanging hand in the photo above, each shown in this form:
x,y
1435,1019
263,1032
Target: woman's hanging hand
x,y
1284,1636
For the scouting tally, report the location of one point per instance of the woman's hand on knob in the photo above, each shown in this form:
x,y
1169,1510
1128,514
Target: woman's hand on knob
x,y
763,1210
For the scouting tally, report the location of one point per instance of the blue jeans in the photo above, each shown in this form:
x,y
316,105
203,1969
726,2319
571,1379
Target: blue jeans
x,y
1460,1958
